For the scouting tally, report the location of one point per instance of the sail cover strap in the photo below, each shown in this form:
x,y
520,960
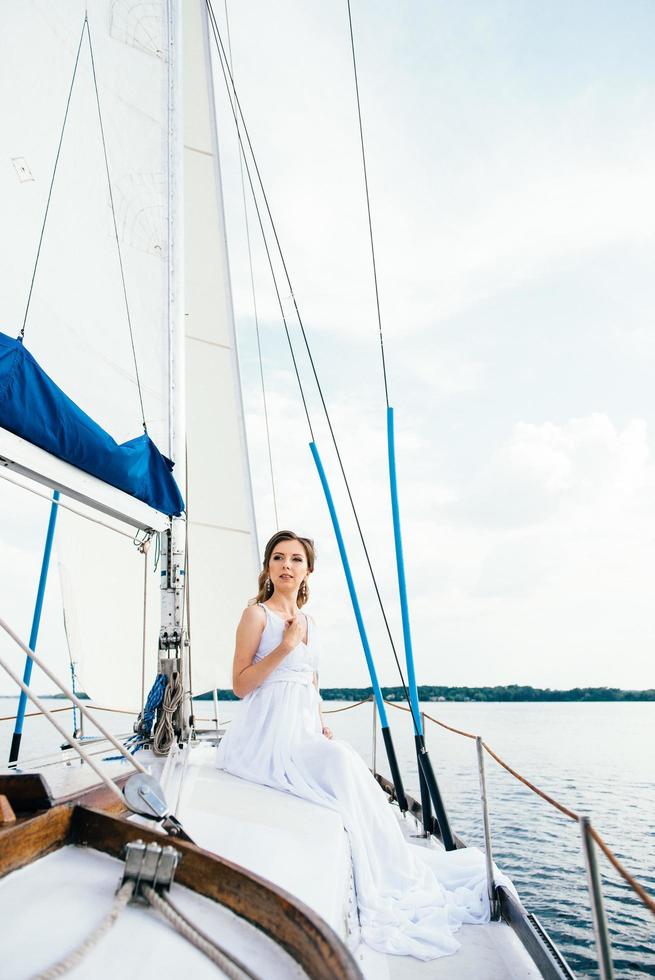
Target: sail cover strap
x,y
33,407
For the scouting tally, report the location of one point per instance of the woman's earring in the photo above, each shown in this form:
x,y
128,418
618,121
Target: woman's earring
x,y
269,586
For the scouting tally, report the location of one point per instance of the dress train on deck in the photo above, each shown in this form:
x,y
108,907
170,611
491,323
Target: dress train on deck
x,y
406,905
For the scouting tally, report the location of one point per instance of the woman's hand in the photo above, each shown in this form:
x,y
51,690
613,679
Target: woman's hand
x,y
293,633
327,731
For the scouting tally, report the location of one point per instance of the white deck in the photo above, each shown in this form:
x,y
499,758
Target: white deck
x,y
291,842
299,846
51,906
303,848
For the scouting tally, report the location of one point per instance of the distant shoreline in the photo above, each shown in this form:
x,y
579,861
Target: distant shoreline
x,y
511,692
429,692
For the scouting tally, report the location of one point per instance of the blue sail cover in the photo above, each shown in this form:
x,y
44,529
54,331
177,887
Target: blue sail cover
x,y
34,408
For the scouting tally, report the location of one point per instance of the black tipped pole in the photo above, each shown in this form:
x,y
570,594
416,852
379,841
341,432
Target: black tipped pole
x,y
439,807
395,771
379,700
426,805
425,766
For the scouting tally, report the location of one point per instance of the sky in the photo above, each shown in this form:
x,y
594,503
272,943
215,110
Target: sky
x,y
510,151
510,148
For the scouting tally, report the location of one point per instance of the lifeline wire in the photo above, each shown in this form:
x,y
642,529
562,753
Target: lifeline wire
x,y
69,694
226,73
254,297
60,504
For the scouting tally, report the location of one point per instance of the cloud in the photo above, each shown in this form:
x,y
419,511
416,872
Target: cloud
x,y
536,571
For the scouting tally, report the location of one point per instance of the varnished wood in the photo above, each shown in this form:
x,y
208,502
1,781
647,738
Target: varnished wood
x,y
32,837
7,815
26,791
290,923
100,797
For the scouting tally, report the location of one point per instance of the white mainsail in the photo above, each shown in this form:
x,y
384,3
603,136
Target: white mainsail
x,y
77,325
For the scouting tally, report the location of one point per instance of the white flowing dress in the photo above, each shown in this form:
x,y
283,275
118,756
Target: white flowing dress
x,y
406,906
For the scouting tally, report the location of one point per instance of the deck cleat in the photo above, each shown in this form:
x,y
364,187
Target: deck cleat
x,y
149,864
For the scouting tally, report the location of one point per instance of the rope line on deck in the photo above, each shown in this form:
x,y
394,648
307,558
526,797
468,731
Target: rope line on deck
x,y
229,964
69,962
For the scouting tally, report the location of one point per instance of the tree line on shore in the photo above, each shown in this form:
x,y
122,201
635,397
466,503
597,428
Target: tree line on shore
x,y
508,692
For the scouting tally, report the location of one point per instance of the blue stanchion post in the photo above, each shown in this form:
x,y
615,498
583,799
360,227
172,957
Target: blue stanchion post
x,y
34,633
377,693
429,786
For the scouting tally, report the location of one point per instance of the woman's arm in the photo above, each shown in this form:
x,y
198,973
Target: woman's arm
x,y
246,675
326,731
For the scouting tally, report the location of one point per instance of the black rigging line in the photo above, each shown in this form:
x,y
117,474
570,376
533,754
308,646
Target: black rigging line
x,y
52,180
254,296
231,89
113,215
368,206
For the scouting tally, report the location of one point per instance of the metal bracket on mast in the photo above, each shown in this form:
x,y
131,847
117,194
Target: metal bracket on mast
x,y
173,636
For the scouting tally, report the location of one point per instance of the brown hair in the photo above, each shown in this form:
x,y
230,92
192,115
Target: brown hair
x,y
265,589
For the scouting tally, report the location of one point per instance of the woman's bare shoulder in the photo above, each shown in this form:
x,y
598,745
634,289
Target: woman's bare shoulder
x,y
253,615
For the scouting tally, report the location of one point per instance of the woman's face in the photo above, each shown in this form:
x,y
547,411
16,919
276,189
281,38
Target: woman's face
x,y
288,567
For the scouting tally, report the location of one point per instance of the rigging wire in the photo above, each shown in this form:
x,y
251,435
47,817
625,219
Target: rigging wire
x,y
87,29
113,215
63,506
226,72
254,296
234,102
368,207
52,179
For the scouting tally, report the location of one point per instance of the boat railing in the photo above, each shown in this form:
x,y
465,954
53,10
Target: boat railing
x,y
590,837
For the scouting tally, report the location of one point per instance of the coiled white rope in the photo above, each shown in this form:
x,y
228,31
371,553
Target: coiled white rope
x,y
164,731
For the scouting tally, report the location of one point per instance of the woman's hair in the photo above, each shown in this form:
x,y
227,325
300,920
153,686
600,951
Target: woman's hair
x,y
265,588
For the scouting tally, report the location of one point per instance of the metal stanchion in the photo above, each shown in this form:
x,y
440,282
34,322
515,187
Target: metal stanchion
x,y
494,906
216,719
374,751
601,933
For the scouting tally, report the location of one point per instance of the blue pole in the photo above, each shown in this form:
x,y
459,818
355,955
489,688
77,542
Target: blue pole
x,y
402,585
430,794
34,634
379,700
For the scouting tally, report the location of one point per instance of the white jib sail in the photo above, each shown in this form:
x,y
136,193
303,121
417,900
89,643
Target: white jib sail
x,y
222,559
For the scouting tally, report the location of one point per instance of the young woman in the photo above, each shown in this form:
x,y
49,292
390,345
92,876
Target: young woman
x,y
278,738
